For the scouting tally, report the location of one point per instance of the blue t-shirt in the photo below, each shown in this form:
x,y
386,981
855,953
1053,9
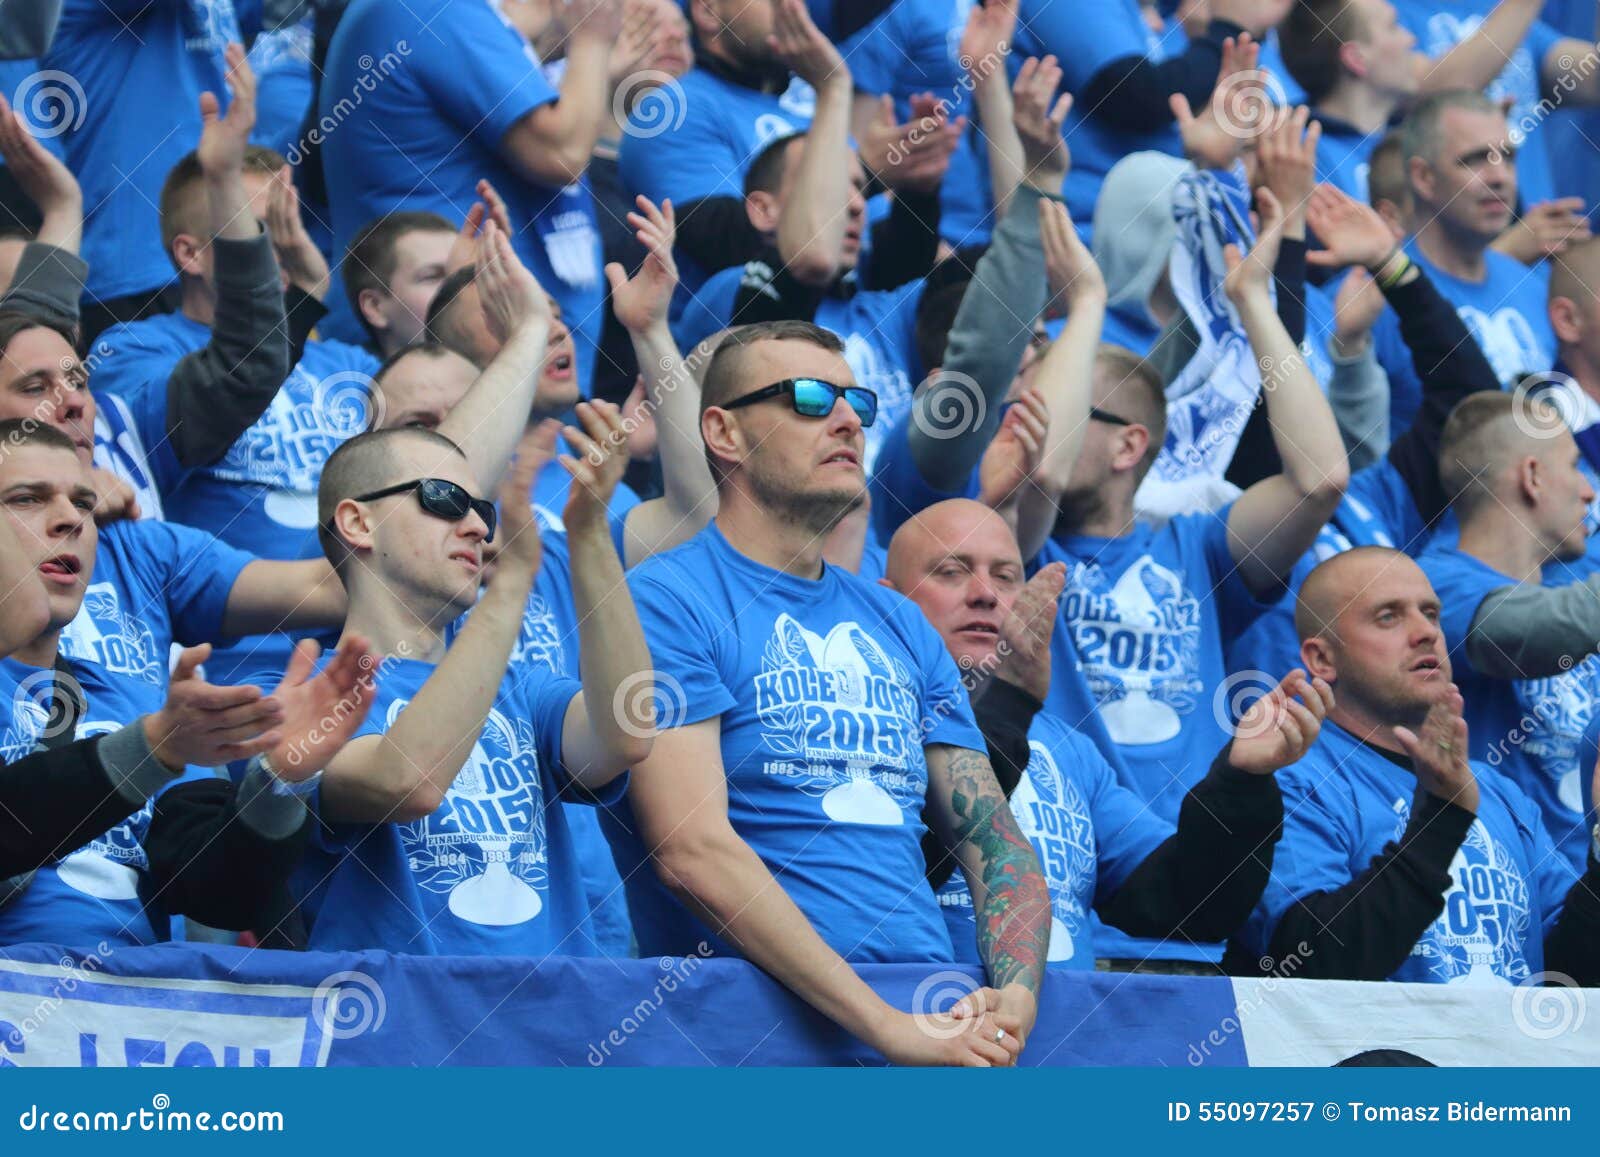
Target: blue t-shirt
x,y
878,328
915,48
120,448
549,638
1440,25
417,129
550,487
1528,730
1085,38
1089,832
827,689
261,496
1143,621
492,872
137,69
154,583
1344,157
92,894
1345,801
898,488
1377,510
25,89
712,133
281,61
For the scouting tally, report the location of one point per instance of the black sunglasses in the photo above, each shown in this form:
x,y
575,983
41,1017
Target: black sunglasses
x,y
1099,415
442,499
814,398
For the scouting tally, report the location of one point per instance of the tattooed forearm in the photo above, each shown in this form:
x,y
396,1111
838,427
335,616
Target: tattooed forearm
x,y
1013,902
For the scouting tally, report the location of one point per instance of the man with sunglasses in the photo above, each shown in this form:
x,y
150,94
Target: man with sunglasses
x,y
811,719
142,831
1139,659
441,827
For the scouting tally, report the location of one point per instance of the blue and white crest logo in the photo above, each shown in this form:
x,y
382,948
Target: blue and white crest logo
x,y
104,633
844,712
485,846
1139,646
540,638
1052,813
1559,709
1508,341
1478,938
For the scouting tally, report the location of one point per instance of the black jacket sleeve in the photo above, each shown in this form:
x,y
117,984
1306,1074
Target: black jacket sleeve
x,y
1004,713
1366,929
769,292
303,312
212,861
1451,366
54,802
1573,946
1256,456
1130,95
715,233
905,244
1204,880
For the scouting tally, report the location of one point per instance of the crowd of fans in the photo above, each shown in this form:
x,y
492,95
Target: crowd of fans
x,y
1032,483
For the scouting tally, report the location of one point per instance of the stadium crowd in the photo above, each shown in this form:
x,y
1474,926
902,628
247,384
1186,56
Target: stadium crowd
x,y
1031,483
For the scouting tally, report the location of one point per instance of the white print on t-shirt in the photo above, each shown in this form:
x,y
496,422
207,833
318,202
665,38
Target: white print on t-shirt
x,y
572,244
209,26
1139,646
286,448
846,710
485,845
108,866
885,379
104,632
1478,938
1559,709
540,638
1518,80
1053,815
1508,342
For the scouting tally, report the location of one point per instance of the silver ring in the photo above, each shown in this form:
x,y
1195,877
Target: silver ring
x,y
999,1035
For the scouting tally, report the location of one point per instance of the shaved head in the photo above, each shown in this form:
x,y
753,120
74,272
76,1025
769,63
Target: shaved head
x,y
1332,585
941,530
1575,274
1488,433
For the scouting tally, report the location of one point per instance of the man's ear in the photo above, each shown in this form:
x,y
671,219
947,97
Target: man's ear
x,y
1420,173
370,303
722,435
1566,319
1530,478
884,582
353,525
1353,58
1133,443
762,209
1317,655
186,250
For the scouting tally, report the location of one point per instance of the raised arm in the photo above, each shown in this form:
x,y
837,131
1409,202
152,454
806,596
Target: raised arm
x,y
488,421
812,226
552,144
970,815
680,802
1275,522
271,595
403,774
689,495
218,392
599,740
1066,375
45,180
1477,60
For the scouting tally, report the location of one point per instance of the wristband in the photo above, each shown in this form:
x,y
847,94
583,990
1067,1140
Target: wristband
x,y
1392,279
282,788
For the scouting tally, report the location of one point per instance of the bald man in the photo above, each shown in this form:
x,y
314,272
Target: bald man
x,y
1100,847
1526,667
1400,859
